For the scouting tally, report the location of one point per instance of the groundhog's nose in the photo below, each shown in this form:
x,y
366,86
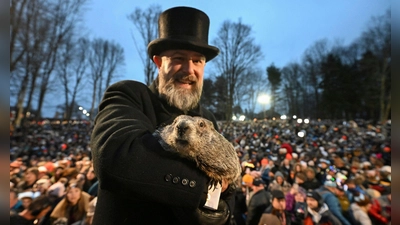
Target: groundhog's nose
x,y
182,128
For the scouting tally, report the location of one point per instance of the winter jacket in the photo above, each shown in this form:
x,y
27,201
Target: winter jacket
x,y
359,215
257,205
140,182
380,210
333,204
322,217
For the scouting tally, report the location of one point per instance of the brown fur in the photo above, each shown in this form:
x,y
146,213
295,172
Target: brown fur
x,y
195,138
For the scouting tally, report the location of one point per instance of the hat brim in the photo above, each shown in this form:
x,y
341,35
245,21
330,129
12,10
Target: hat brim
x,y
162,44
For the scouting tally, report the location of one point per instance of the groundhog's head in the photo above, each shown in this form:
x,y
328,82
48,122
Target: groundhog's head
x,y
187,134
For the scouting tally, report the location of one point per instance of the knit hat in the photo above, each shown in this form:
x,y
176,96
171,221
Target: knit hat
x,y
279,174
315,195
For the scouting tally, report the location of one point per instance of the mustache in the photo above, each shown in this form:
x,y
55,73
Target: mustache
x,y
183,77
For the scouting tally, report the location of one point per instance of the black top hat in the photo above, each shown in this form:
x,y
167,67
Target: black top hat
x,y
183,28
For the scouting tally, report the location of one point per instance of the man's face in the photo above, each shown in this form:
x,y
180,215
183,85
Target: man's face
x,y
312,203
181,77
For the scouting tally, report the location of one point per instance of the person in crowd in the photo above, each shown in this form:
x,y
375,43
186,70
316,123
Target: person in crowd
x,y
344,202
26,198
328,192
279,183
15,203
259,201
380,211
276,214
73,206
318,212
31,215
311,183
299,179
30,178
360,208
90,179
137,177
286,167
240,210
322,170
300,208
42,185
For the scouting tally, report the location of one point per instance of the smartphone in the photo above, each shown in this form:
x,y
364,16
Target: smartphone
x,y
213,195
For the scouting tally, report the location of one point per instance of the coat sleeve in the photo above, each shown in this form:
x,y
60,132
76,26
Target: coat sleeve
x,y
129,161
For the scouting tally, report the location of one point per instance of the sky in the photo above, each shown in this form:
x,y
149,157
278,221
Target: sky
x,y
284,29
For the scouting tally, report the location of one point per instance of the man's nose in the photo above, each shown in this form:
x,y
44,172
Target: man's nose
x,y
188,66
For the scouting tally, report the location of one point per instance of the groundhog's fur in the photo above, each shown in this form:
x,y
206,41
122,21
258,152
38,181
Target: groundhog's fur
x,y
195,138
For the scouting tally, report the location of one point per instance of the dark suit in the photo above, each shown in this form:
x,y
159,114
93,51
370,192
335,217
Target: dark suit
x,y
140,182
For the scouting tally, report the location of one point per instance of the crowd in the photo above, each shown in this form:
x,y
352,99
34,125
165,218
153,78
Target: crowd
x,y
321,172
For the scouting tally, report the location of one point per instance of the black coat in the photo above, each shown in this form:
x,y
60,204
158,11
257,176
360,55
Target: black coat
x,y
259,202
140,182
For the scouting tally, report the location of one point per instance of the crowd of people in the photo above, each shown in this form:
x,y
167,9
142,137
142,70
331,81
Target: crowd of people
x,y
321,172
337,173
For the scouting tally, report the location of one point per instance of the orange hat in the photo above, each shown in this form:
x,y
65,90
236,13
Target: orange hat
x,y
247,179
264,162
386,149
288,156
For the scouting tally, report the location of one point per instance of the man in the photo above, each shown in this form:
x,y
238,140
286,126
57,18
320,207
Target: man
x,y
276,214
318,212
140,182
259,201
35,211
328,192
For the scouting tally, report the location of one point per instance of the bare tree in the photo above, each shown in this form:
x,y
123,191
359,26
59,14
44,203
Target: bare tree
x,y
104,61
38,27
146,22
28,37
65,16
72,71
377,39
238,52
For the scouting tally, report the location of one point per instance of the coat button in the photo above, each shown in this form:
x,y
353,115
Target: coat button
x,y
192,184
168,177
185,181
176,180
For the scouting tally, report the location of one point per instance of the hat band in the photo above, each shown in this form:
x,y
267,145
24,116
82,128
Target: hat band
x,y
188,38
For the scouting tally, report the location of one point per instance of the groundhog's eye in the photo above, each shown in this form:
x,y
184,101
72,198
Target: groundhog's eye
x,y
201,124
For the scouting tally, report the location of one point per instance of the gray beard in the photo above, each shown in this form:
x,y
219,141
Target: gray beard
x,y
182,99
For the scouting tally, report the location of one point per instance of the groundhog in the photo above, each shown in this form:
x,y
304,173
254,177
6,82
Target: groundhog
x,y
196,139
